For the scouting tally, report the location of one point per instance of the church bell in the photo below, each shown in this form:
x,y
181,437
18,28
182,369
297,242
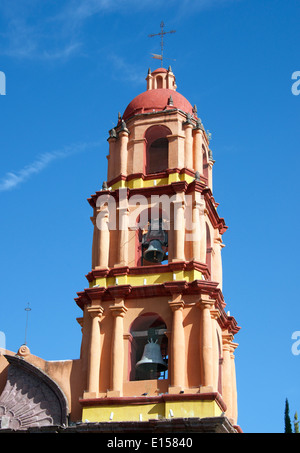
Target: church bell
x,y
151,363
154,242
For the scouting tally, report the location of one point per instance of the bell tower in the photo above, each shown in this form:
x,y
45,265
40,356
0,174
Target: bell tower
x,y
157,342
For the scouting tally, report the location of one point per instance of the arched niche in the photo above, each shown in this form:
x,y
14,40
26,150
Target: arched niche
x,y
139,331
157,149
152,214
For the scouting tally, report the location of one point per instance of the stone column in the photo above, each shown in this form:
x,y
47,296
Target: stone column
x,y
103,237
177,347
149,79
210,171
198,153
198,213
188,148
117,349
95,313
234,389
123,236
217,272
112,155
123,137
206,340
203,239
215,314
179,231
95,246
227,374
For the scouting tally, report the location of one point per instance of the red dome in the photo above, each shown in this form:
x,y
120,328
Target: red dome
x,y
157,100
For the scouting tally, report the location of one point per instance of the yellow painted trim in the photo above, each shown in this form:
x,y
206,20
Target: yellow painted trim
x,y
139,183
141,412
174,177
147,279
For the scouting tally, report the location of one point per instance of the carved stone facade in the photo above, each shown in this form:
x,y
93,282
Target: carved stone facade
x,y
30,398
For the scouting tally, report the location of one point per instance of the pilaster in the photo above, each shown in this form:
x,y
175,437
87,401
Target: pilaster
x,y
206,304
177,347
95,313
227,390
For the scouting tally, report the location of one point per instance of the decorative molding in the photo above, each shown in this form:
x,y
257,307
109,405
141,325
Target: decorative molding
x,y
171,189
152,269
197,287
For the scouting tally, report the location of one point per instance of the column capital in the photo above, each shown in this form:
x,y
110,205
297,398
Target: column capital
x,y
118,309
215,313
199,204
188,125
176,304
227,341
205,302
233,347
95,311
175,289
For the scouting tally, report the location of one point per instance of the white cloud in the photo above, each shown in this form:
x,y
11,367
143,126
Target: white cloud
x,y
58,33
13,179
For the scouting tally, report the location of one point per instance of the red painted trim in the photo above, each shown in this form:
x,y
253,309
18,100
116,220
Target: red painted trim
x,y
196,287
138,400
152,269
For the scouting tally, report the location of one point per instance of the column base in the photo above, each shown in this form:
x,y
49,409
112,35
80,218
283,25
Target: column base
x,y
206,389
89,395
113,393
174,390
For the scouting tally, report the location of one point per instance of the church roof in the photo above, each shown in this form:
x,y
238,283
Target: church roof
x,y
155,101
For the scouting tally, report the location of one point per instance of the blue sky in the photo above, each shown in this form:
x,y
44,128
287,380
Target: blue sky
x,y
70,67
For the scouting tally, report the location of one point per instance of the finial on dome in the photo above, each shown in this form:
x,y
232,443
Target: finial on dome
x,y
123,127
113,133
170,101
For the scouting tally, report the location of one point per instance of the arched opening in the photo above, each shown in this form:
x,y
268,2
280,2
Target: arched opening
x,y
159,82
157,149
146,362
151,238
